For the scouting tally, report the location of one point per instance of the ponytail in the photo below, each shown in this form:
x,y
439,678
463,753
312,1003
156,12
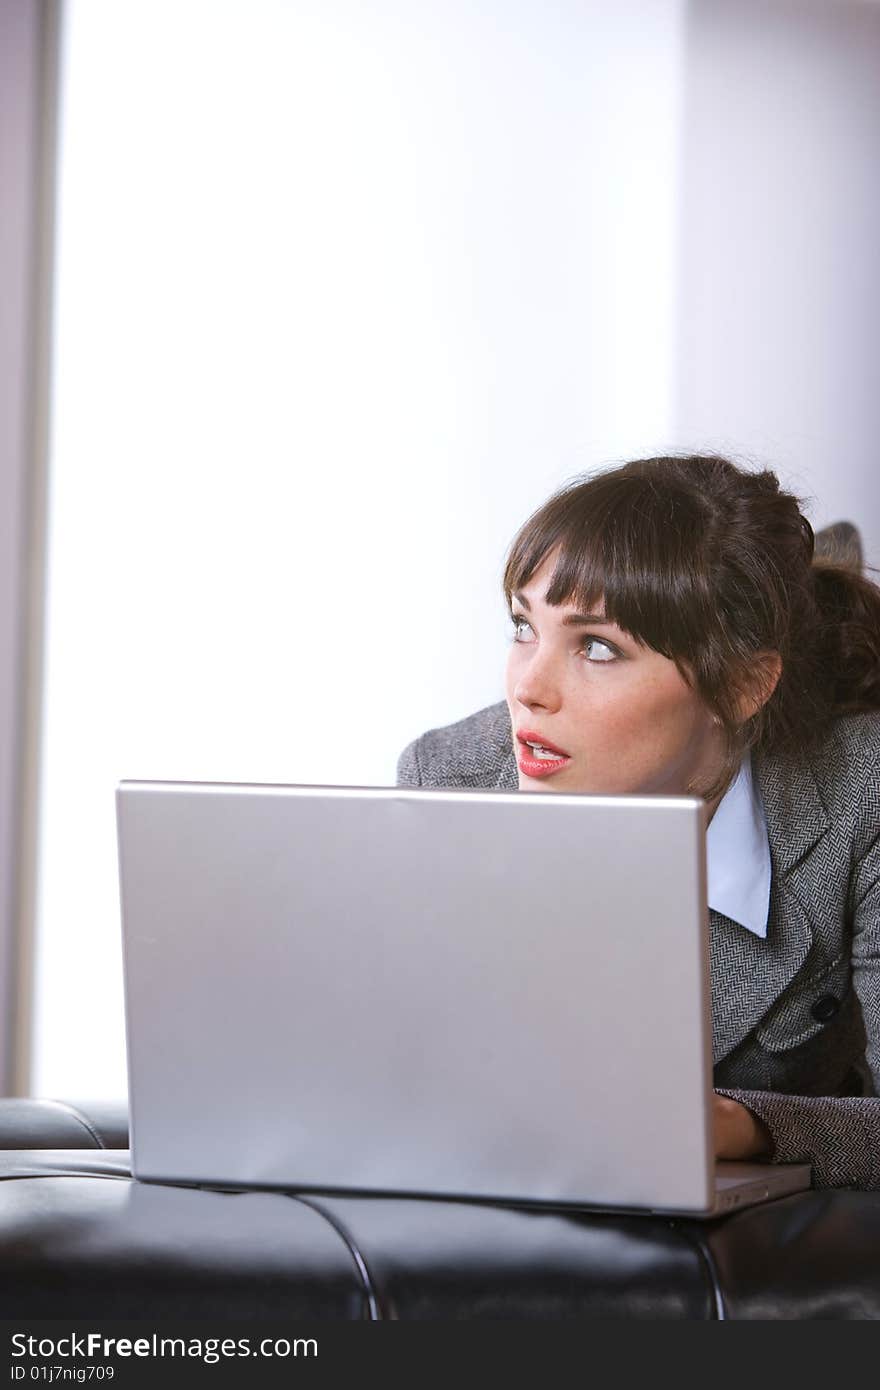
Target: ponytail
x,y
849,607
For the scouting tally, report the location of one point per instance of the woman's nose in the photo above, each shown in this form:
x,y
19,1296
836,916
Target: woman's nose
x,y
538,685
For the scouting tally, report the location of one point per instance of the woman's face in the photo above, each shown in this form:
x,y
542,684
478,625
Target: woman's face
x,y
614,717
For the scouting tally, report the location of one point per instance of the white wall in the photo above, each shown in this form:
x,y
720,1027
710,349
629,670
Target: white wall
x,y
343,292
780,273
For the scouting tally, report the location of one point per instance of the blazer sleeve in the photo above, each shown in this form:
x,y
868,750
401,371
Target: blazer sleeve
x,y
838,1135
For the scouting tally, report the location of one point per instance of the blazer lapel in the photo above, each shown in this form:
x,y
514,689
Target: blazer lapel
x,y
749,973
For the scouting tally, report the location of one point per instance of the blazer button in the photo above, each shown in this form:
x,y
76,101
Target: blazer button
x,y
825,1008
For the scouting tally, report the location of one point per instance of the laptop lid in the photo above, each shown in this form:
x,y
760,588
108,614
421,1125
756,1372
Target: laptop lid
x,y
461,993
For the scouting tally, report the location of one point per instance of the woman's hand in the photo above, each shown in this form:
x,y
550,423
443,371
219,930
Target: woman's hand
x,y
738,1133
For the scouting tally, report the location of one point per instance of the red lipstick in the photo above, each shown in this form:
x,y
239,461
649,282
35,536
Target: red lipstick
x,y
529,763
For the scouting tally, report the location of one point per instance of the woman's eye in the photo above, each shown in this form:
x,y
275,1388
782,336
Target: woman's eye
x,y
522,631
601,650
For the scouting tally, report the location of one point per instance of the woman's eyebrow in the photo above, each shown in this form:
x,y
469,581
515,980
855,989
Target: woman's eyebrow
x,y
572,619
587,620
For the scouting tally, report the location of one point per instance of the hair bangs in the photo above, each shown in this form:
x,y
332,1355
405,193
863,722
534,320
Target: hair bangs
x,y
621,541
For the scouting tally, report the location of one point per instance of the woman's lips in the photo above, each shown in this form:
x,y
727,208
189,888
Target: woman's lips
x,y
532,766
539,767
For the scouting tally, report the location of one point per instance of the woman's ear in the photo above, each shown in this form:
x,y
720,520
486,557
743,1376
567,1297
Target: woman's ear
x,y
759,683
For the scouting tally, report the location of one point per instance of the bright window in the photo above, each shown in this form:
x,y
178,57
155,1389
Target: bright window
x,y
343,291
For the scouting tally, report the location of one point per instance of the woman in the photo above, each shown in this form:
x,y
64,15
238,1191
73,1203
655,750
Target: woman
x,y
673,632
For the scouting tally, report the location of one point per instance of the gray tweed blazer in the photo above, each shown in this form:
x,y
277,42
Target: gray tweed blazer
x,y
796,1017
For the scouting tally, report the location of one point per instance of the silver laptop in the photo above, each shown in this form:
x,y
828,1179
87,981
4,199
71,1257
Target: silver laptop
x,y
467,994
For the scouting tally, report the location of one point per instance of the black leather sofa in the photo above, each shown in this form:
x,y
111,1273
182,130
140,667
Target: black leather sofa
x,y
79,1238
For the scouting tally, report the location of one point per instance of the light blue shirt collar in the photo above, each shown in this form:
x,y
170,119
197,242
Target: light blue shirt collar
x,y
738,854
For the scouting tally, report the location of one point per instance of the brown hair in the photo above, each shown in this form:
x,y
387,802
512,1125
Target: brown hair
x,y
711,565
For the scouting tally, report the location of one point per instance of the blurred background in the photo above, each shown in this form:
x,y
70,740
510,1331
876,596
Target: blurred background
x,y
304,306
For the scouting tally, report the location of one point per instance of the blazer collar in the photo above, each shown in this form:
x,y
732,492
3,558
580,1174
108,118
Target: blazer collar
x,y
749,973
797,816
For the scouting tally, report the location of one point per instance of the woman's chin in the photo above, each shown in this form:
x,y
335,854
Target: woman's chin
x,y
539,784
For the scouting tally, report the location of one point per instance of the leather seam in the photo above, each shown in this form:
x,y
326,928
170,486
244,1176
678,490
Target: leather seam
x,y
710,1269
374,1308
28,1177
81,1119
